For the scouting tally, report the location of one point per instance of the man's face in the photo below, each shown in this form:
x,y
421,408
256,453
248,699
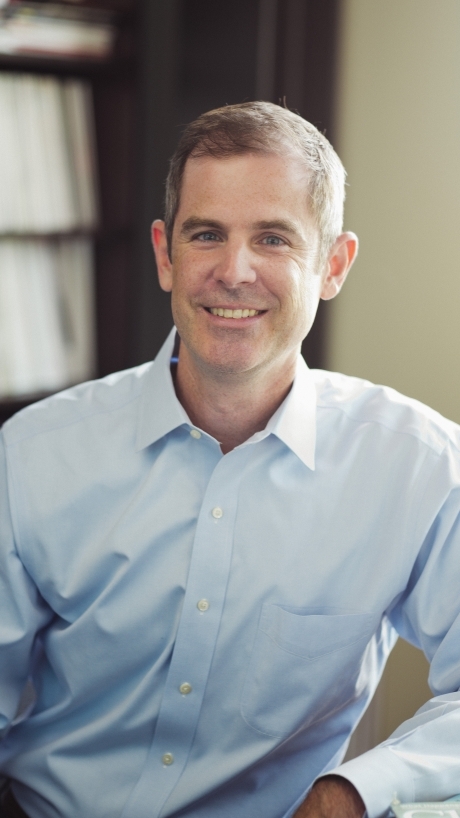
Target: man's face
x,y
244,272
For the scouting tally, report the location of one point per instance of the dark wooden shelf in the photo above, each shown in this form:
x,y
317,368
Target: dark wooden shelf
x,y
39,234
10,405
114,82
46,64
122,6
101,234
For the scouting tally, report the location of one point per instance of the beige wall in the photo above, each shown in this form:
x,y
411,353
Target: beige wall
x,y
398,319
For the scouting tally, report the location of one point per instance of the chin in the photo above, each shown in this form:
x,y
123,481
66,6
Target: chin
x,y
226,364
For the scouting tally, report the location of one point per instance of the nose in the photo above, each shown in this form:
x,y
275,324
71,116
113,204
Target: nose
x,y
235,266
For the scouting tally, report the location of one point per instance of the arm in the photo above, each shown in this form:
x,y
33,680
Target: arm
x,y
421,759
332,797
22,611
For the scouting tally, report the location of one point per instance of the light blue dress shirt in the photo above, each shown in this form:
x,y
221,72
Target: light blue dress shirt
x,y
204,631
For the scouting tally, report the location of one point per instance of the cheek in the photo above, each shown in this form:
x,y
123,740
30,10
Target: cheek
x,y
302,290
305,296
183,285
312,290
190,275
185,295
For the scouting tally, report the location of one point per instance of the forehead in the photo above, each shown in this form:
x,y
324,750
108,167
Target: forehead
x,y
267,185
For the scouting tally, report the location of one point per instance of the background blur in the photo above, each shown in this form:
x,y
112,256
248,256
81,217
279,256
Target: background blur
x,y
397,320
382,79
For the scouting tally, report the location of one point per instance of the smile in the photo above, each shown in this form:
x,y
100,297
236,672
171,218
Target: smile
x,y
240,313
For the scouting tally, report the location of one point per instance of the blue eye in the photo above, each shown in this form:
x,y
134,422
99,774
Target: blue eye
x,y
207,236
274,241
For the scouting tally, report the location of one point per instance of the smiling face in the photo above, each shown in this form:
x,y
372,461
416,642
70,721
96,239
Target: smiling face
x,y
244,272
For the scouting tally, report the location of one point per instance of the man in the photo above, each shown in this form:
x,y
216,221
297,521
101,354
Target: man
x,y
205,560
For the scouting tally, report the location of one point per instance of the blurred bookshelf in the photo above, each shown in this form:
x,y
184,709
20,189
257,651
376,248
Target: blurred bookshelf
x,y
68,80
148,67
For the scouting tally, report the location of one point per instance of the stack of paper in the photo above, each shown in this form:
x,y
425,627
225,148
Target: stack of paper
x,y
52,30
427,809
47,156
46,314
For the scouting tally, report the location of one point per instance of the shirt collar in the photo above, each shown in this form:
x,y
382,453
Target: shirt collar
x,y
294,422
159,412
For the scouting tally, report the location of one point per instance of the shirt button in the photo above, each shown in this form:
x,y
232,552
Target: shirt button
x,y
217,513
168,759
195,433
202,605
185,688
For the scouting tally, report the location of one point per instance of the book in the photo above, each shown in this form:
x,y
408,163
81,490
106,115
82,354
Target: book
x,y
40,303
16,366
74,282
78,118
13,183
32,175
47,155
57,159
47,321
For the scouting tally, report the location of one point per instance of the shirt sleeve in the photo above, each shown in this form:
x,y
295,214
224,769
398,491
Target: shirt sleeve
x,y
23,612
420,761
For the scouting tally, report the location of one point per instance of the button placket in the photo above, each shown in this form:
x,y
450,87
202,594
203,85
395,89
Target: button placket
x,y
198,628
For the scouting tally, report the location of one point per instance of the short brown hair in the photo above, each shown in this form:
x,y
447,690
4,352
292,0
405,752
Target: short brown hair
x,y
262,127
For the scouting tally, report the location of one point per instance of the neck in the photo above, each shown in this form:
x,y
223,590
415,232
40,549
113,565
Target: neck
x,y
231,406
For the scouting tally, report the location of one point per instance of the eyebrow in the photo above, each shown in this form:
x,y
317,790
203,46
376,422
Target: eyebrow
x,y
196,223
284,225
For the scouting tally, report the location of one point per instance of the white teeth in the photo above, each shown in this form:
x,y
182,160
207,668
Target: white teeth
x,y
233,313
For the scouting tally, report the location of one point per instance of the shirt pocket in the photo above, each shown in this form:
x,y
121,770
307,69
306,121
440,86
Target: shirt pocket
x,y
305,664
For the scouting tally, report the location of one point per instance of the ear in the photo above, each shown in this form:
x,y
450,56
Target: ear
x,y
160,248
341,257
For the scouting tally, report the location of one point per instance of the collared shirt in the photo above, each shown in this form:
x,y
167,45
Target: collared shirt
x,y
203,631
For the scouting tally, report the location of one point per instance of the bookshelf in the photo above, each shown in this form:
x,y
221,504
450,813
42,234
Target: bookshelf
x,y
107,234
172,60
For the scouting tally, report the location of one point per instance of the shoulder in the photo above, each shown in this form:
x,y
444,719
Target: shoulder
x,y
78,405
362,402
